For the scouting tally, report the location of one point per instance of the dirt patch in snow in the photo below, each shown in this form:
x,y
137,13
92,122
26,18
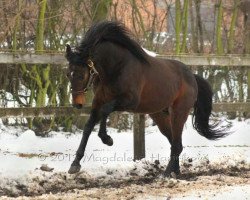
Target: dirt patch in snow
x,y
142,180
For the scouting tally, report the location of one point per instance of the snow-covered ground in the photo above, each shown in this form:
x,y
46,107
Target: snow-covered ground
x,y
22,153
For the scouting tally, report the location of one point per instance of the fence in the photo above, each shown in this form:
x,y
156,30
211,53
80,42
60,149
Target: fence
x,y
192,60
139,127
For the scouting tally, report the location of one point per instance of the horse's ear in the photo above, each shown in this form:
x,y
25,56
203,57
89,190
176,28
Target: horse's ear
x,y
68,51
68,48
72,56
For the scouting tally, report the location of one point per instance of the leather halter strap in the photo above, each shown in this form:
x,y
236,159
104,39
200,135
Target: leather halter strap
x,y
92,73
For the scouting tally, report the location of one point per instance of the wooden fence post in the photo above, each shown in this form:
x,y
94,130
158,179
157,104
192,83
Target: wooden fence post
x,y
139,136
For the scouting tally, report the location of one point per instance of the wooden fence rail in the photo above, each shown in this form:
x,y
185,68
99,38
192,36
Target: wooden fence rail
x,y
191,60
43,112
63,111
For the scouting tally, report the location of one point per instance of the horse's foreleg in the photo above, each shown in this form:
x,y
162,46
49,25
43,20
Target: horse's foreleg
x,y
123,103
93,119
106,139
106,109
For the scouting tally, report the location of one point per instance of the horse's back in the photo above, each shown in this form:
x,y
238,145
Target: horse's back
x,y
182,70
172,72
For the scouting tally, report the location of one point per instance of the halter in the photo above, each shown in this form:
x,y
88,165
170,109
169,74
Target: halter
x,y
92,73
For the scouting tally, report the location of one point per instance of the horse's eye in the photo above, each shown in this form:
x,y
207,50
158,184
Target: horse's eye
x,y
70,75
78,76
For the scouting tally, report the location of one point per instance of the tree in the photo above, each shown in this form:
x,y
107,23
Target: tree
x,y
181,26
245,8
219,41
100,9
231,35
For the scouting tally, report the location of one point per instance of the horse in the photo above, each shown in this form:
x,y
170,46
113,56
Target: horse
x,y
125,78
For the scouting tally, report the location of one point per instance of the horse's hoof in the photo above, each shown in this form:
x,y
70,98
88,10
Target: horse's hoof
x,y
172,171
167,174
74,169
171,174
107,140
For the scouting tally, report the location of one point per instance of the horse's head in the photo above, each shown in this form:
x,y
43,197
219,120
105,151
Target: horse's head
x,y
79,76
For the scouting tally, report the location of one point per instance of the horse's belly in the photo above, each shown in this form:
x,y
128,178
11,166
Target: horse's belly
x,y
154,102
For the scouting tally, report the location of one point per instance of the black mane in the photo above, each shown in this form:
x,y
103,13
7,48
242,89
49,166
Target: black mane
x,y
114,32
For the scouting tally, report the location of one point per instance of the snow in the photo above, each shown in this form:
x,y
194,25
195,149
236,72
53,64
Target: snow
x,y
22,153
151,53
229,193
62,146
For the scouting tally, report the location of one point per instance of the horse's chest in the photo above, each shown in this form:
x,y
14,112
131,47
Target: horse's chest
x,y
104,93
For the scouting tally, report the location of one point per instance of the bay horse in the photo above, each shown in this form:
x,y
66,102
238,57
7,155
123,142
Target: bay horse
x,y
125,78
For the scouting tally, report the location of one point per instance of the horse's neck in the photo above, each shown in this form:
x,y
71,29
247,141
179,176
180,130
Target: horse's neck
x,y
110,59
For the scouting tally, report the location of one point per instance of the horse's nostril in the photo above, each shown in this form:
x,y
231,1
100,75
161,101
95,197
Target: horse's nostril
x,y
78,106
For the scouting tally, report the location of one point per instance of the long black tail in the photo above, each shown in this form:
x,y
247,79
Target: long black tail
x,y
202,112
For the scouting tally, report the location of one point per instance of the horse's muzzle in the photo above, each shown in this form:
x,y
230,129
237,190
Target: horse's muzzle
x,y
78,106
78,100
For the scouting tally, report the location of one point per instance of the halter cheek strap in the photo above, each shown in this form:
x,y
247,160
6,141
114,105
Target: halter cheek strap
x,y
92,73
92,67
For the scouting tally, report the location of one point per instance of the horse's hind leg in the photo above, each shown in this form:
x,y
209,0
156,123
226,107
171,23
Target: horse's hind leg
x,y
180,111
163,121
